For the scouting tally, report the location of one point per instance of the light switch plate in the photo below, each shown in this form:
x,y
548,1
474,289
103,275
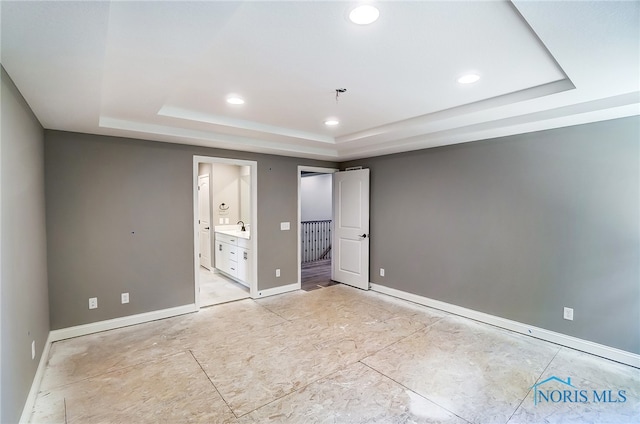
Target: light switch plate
x,y
284,226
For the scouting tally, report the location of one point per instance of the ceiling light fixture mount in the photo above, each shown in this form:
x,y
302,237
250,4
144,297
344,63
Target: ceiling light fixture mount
x,y
364,14
331,122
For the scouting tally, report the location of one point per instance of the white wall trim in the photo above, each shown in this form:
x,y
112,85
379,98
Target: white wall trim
x,y
95,327
529,330
277,290
35,385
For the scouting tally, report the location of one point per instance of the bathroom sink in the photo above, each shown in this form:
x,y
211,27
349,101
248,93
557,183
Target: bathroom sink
x,y
236,233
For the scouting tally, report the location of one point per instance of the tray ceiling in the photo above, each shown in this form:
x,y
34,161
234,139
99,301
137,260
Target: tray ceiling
x,y
163,70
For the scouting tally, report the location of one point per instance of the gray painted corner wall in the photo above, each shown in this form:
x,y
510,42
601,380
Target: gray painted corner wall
x,y
519,227
278,190
25,303
120,218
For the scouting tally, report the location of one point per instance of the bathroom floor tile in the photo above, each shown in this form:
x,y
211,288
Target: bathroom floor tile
x,y
216,288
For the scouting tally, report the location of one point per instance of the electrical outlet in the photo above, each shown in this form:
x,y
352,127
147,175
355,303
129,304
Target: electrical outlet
x,y
124,298
93,302
285,226
382,272
568,313
278,272
33,350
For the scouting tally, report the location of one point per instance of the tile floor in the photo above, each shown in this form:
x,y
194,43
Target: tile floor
x,y
215,288
332,355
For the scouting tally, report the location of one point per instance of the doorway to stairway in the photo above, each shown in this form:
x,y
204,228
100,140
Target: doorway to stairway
x,y
315,208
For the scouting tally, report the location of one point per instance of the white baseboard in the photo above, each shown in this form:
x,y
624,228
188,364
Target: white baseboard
x,y
95,327
278,290
35,385
529,330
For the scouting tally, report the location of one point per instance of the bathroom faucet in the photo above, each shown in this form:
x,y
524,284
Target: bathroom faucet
x,y
243,228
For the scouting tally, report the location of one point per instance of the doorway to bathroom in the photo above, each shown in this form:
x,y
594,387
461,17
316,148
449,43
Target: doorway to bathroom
x,y
225,229
315,209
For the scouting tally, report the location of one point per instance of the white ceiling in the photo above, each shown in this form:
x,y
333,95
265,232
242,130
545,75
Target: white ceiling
x,y
161,71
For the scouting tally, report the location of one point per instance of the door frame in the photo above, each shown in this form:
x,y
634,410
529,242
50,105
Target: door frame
x,y
253,165
319,171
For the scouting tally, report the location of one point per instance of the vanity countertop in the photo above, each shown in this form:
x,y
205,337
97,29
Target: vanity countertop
x,y
235,233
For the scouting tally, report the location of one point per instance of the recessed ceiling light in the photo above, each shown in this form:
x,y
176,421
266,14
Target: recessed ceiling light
x,y
331,122
364,14
468,79
234,99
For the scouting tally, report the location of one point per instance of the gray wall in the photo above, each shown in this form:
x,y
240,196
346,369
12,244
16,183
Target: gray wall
x,y
120,218
25,305
519,227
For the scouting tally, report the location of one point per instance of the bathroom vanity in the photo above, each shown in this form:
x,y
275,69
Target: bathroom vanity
x,y
233,255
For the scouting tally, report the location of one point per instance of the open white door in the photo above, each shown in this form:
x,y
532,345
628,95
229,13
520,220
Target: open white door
x,y
204,221
351,228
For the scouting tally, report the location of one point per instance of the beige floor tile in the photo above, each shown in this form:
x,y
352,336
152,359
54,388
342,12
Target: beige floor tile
x,y
171,390
301,304
399,307
356,394
255,369
586,374
296,353
83,357
478,372
299,357
79,358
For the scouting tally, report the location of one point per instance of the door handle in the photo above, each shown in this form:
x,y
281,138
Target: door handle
x,y
206,228
363,235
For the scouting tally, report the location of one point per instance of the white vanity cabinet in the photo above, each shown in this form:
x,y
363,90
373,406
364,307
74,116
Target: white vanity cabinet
x,y
233,257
